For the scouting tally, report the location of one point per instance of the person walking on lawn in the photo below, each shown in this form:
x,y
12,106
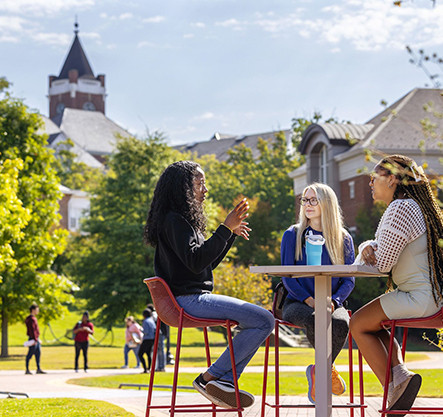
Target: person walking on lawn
x,y
148,339
33,343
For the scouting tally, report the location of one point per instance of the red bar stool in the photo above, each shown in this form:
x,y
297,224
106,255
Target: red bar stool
x,y
276,311
432,322
171,313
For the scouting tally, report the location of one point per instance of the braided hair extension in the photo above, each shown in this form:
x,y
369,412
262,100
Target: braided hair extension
x,y
413,183
174,192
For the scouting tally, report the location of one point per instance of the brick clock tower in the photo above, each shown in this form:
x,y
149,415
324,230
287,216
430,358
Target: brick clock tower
x,y
76,87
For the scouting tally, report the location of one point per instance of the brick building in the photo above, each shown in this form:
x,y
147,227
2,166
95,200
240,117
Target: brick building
x,y
336,154
77,112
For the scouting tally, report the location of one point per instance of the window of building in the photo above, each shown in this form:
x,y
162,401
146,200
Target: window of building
x,y
89,106
351,189
72,223
323,165
353,232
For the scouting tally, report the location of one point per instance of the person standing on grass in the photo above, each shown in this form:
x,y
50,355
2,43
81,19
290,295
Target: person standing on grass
x,y
320,214
176,226
164,332
148,339
133,339
81,331
34,343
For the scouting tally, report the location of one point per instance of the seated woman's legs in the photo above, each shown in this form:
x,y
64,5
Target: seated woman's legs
x,y
303,316
373,342
255,325
372,339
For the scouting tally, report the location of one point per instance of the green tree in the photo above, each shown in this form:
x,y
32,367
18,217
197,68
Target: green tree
x,y
110,260
238,282
266,183
13,216
32,254
75,175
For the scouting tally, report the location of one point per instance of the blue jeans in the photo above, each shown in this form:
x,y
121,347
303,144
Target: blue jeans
x,y
33,350
255,325
126,352
161,353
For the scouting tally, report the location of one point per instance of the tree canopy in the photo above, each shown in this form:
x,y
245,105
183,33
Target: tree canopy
x,y
109,260
31,225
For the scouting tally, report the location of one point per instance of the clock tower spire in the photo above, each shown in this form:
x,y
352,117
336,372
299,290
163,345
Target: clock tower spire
x,y
76,86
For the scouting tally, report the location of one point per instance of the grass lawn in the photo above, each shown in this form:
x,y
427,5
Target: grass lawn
x,y
62,357
60,407
292,383
58,353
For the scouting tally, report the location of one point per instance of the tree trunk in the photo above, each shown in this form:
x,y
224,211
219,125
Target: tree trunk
x,y
4,318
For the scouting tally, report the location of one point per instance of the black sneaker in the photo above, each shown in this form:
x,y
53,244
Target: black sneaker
x,y
200,385
39,371
28,372
224,392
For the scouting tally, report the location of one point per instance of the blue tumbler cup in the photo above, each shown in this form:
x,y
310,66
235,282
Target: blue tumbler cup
x,y
314,249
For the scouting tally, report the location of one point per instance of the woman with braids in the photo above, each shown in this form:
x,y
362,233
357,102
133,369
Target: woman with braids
x,y
407,246
184,259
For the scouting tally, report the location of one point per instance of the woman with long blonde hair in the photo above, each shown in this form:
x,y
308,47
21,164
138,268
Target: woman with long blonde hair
x,y
320,214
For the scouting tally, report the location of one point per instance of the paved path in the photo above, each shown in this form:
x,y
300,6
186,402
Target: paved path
x,y
53,385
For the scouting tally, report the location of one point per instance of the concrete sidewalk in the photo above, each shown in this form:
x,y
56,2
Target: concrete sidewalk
x,y
53,385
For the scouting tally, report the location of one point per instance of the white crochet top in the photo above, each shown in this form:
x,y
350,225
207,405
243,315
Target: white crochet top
x,y
401,223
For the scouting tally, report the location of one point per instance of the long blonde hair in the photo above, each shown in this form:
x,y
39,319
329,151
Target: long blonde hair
x,y
331,223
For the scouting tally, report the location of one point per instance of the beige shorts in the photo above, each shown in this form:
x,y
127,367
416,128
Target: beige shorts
x,y
404,305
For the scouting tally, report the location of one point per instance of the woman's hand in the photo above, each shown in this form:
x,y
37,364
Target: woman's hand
x,y
310,302
234,220
243,230
368,255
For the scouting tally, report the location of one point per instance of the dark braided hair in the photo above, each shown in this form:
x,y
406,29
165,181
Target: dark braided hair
x,y
413,183
175,192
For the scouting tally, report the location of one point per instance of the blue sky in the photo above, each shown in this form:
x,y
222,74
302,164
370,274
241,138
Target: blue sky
x,y
190,68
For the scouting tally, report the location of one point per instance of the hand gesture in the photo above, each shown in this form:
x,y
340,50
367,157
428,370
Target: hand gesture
x,y
235,219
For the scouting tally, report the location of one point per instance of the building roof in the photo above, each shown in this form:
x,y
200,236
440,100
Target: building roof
x,y
220,144
337,133
400,126
76,59
91,130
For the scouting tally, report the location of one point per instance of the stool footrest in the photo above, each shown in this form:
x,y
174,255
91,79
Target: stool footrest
x,y
414,410
181,408
348,405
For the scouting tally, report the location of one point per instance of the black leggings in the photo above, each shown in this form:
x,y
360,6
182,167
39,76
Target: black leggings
x,y
302,315
146,347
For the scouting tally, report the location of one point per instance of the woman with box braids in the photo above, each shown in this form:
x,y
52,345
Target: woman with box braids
x,y
409,246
